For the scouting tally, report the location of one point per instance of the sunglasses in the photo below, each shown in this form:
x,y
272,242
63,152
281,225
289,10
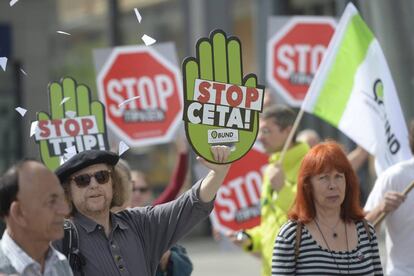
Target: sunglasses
x,y
83,180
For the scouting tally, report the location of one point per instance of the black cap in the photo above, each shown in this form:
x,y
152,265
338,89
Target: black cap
x,y
85,159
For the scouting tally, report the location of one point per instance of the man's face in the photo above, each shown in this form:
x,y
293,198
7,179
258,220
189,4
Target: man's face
x,y
42,203
271,136
141,192
92,198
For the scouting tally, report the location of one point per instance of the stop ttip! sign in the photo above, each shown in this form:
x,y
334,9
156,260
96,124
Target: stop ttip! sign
x,y
294,54
151,85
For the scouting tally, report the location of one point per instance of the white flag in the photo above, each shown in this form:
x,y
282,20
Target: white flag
x,y
353,90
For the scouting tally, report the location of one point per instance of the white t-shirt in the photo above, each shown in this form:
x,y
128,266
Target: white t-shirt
x,y
399,225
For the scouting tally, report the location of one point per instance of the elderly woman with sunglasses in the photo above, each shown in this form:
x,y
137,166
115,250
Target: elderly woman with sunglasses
x,y
132,241
326,233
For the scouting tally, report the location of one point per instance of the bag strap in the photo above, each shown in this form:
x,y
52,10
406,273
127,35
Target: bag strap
x,y
71,246
299,227
67,238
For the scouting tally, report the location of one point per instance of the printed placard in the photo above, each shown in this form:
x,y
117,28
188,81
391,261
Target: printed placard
x,y
222,136
218,100
141,89
75,123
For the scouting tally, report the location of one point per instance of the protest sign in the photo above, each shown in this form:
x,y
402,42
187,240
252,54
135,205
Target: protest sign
x,y
220,106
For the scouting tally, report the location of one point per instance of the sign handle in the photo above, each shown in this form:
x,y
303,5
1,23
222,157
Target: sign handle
x,y
383,214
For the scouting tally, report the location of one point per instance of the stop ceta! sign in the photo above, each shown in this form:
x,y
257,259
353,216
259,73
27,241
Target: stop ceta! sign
x,y
237,204
294,54
151,85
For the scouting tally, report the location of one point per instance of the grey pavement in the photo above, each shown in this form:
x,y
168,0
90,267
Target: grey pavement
x,y
211,258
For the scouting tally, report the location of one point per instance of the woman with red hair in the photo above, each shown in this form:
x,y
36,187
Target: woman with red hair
x,y
326,233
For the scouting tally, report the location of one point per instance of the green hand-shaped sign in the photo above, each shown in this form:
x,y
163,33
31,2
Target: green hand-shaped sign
x,y
221,107
73,121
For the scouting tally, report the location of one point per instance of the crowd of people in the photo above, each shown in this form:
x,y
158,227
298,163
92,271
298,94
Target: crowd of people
x,y
96,216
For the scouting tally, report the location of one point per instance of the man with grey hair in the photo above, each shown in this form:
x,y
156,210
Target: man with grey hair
x,y
132,241
32,202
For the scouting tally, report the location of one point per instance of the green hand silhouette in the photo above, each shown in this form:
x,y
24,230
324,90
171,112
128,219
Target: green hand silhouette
x,y
218,59
79,102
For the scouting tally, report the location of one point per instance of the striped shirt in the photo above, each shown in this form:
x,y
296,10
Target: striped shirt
x,y
315,260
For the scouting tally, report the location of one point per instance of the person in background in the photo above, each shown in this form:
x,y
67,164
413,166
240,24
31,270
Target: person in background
x,y
387,197
309,136
279,183
174,261
326,233
357,157
2,227
33,205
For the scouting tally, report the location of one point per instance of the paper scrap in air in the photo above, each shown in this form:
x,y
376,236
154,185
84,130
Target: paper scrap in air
x,y
34,128
139,17
122,148
21,110
12,2
70,114
148,40
71,149
128,100
62,32
64,100
69,153
3,63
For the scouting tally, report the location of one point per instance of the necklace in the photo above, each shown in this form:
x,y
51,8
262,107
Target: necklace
x,y
329,249
333,229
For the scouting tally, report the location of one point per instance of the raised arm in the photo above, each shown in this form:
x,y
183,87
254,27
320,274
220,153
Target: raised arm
x,y
218,172
357,157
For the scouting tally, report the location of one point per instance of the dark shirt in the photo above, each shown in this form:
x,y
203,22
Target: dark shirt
x,y
139,236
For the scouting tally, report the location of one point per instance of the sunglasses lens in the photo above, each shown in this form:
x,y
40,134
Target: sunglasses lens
x,y
82,180
141,189
102,177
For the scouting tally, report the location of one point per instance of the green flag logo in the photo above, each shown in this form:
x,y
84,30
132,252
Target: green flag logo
x,y
379,91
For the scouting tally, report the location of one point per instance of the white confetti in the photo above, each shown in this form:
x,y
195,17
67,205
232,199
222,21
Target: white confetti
x,y
71,149
128,100
21,110
139,17
148,40
70,152
62,160
3,63
34,128
12,2
64,100
21,70
122,148
61,32
70,114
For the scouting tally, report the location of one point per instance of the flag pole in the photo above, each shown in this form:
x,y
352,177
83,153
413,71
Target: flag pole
x,y
290,136
383,214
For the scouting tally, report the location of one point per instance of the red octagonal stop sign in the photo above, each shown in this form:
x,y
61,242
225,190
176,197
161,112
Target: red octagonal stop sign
x,y
152,88
295,53
237,204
